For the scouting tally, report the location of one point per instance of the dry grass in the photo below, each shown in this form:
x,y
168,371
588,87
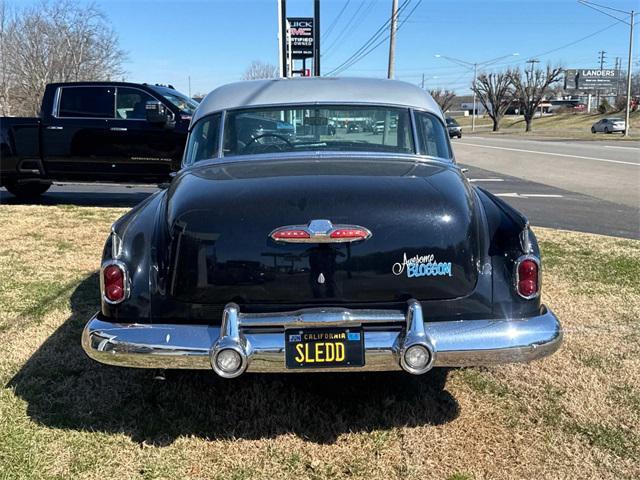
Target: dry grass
x,y
566,125
573,415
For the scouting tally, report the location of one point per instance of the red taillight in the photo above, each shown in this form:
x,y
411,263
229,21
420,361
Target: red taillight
x,y
113,278
351,233
289,234
528,276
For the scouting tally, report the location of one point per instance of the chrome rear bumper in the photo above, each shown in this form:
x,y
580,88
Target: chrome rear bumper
x,y
259,339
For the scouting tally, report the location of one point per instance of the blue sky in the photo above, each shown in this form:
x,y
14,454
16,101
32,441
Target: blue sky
x,y
214,41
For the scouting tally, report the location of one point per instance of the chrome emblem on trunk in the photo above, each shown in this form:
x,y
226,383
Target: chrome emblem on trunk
x,y
321,278
320,231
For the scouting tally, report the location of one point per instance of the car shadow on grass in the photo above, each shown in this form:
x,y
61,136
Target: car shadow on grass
x,y
65,389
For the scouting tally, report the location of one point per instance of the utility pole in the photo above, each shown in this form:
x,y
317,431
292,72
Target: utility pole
x,y
422,83
282,38
598,7
316,38
533,62
601,58
475,80
617,69
626,114
189,77
474,66
601,54
392,39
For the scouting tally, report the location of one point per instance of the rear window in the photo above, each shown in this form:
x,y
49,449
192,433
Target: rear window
x,y
87,102
337,128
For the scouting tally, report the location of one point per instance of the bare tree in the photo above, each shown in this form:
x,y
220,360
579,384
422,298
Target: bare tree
x,y
444,98
53,42
258,70
495,92
530,87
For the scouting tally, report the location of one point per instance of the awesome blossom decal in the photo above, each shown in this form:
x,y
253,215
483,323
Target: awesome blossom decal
x,y
422,266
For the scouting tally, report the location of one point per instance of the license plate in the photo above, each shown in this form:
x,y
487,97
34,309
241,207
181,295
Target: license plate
x,y
324,347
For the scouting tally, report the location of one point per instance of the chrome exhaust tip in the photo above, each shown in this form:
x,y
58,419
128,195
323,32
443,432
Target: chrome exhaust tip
x,y
417,353
228,355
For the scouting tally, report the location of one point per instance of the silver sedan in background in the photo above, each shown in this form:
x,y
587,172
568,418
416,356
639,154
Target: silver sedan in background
x,y
608,125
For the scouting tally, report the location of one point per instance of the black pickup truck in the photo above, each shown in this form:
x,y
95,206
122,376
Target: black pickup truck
x,y
95,131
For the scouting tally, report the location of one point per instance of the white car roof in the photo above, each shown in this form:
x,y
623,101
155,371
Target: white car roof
x,y
316,90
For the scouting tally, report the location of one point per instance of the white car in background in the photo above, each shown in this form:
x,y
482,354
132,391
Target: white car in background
x,y
608,125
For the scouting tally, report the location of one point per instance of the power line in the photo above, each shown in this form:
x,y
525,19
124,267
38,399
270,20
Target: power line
x,y
344,29
368,8
597,7
373,47
370,46
333,24
370,40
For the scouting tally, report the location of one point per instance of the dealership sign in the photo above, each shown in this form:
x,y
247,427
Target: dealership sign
x,y
300,37
591,79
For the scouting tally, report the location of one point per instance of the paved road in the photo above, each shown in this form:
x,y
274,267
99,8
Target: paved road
x,y
585,186
578,185
606,170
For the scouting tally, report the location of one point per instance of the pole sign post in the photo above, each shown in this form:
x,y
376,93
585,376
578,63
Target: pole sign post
x,y
301,37
592,79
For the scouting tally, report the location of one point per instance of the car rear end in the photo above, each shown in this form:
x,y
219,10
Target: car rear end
x,y
246,278
617,125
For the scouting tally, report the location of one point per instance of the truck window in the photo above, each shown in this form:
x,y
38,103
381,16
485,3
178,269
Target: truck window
x,y
130,103
87,102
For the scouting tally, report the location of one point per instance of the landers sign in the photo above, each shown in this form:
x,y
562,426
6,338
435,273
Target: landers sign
x,y
592,79
300,33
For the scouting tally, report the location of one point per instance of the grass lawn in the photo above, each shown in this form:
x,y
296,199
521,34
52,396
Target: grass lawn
x,y
573,415
569,125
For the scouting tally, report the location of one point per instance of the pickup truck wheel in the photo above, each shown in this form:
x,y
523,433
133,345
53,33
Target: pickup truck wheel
x,y
28,190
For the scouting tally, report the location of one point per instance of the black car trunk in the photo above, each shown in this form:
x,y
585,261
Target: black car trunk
x,y
219,221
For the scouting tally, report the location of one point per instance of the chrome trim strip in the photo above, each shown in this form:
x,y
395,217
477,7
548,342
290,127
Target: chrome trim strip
x,y
223,119
56,103
525,240
319,155
414,132
116,244
455,343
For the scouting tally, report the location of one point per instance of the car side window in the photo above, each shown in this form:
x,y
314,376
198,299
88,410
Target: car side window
x,y
203,140
130,103
87,102
432,136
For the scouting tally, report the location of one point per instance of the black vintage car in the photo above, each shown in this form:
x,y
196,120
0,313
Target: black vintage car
x,y
95,131
278,252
